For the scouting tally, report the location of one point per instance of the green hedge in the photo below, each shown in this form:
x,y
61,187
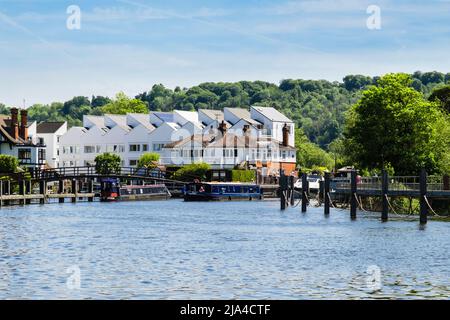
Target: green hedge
x,y
242,175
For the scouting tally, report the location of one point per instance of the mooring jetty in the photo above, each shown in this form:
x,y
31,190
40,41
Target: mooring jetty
x,y
423,187
72,183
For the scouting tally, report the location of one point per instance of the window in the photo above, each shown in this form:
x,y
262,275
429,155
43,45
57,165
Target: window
x,y
41,155
57,138
135,147
89,149
41,141
133,162
98,149
145,147
24,154
158,146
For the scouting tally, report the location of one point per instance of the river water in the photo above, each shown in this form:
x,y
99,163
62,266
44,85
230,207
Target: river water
x,y
231,250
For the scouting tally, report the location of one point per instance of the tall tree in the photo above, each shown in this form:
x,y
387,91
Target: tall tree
x,y
123,105
442,95
393,125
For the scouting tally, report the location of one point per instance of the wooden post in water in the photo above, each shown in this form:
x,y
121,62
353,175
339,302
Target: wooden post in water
x,y
326,194
446,181
423,195
28,190
291,188
1,193
384,192
91,189
304,191
283,189
61,190
74,190
43,191
7,191
353,200
22,191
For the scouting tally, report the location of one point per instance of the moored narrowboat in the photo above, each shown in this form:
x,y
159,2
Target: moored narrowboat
x,y
113,191
222,191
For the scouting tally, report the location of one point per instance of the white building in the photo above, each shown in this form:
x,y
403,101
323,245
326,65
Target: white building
x,y
262,137
48,134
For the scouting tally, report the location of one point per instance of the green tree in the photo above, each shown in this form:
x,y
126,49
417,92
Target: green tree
x,y
310,155
8,164
356,82
442,95
123,105
107,163
148,160
4,109
192,171
393,123
99,101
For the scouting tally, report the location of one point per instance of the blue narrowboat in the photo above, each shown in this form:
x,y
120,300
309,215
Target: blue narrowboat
x,y
222,191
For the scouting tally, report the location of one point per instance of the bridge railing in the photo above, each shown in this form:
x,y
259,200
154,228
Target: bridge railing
x,y
91,171
370,183
404,183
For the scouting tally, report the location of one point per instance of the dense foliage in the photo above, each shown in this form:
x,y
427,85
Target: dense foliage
x,y
8,164
148,160
394,125
243,175
107,163
191,172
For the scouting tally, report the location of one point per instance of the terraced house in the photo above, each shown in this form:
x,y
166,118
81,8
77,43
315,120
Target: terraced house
x,y
260,138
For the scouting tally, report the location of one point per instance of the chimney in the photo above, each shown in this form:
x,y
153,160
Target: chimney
x,y
14,130
246,132
223,127
23,124
286,131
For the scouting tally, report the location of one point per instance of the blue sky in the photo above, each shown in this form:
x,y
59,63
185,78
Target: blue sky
x,y
129,45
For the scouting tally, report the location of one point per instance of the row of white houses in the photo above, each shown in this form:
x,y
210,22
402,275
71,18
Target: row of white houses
x,y
261,138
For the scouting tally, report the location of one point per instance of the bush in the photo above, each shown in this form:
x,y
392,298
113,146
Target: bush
x,y
192,171
107,163
242,175
148,160
8,164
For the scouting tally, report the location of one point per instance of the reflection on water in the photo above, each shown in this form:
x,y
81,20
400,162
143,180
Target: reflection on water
x,y
232,250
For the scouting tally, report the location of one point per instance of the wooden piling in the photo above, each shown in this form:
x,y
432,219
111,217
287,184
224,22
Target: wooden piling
x,y
304,192
384,191
423,196
74,190
61,190
43,191
27,191
91,189
283,189
291,190
326,194
446,182
353,200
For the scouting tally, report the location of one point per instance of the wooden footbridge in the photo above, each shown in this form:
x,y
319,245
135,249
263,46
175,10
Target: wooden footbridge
x,y
71,183
425,188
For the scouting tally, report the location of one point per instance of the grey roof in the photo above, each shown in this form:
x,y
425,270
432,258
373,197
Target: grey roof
x,y
212,114
272,114
49,127
239,112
